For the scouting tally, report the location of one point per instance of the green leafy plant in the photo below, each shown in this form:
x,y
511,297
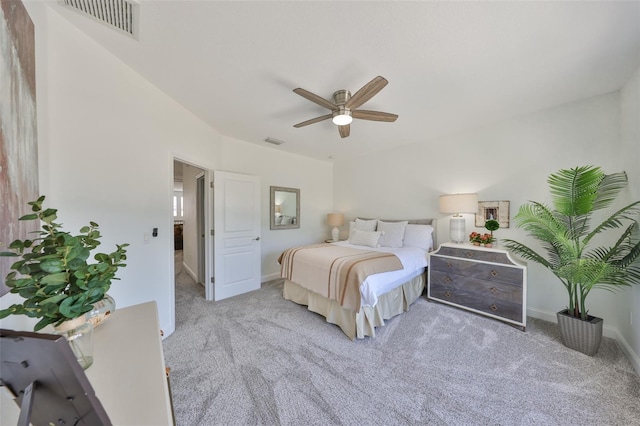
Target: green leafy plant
x,y
492,225
565,233
53,275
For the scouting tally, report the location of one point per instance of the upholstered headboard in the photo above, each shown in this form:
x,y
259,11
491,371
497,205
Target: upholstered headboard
x,y
432,222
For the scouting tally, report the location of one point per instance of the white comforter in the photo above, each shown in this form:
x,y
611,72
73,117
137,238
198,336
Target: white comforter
x,y
414,260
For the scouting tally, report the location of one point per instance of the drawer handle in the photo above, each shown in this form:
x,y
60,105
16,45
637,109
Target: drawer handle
x,y
494,308
469,254
493,290
447,279
448,265
494,274
447,294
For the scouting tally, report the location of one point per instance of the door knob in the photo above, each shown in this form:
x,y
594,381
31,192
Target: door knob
x,y
257,238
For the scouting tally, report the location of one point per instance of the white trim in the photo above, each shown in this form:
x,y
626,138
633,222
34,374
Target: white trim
x,y
633,358
189,272
270,277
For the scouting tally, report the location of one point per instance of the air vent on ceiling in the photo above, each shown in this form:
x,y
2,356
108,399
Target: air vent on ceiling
x,y
118,14
274,141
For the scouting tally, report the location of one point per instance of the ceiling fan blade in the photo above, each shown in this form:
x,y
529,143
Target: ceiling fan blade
x,y
366,92
315,98
374,115
313,120
344,130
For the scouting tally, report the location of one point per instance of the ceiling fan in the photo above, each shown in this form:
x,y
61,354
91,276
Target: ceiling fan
x,y
344,107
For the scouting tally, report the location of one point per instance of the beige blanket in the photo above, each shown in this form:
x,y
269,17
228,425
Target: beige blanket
x,y
335,272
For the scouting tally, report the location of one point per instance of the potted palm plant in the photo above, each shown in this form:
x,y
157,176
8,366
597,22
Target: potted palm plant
x,y
566,234
58,283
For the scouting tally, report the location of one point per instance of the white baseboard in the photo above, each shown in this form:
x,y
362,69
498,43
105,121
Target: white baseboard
x,y
270,277
633,358
189,272
543,315
607,331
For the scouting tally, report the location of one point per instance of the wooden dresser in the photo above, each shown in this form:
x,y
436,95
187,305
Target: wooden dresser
x,y
487,281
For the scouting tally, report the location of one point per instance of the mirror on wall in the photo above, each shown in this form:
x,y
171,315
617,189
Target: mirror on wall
x,y
285,208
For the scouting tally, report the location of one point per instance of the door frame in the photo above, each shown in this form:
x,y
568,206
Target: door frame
x,y
208,225
209,266
201,228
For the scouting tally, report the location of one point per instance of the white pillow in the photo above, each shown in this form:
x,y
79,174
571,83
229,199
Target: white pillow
x,y
364,238
392,233
418,236
366,225
363,225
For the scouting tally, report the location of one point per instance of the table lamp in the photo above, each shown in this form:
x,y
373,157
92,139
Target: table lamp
x,y
335,220
457,204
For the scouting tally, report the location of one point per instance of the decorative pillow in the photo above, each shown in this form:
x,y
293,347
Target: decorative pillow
x,y
362,225
366,225
392,233
287,220
418,236
278,220
365,238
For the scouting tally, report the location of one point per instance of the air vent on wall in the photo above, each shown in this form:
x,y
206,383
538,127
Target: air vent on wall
x,y
118,14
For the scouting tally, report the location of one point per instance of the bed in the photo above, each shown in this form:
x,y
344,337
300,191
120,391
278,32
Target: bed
x,y
330,278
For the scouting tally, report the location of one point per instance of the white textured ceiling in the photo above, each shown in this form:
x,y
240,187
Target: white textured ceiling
x,y
450,65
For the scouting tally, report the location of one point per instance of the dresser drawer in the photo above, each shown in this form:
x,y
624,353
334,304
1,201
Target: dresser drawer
x,y
482,271
483,303
482,288
475,254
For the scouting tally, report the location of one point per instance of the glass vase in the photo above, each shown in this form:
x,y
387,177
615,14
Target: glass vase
x,y
101,310
79,334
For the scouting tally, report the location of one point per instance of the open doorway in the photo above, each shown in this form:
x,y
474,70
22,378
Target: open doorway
x,y
189,226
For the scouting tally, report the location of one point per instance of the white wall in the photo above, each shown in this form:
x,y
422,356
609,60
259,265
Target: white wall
x,y
509,160
107,139
314,179
629,301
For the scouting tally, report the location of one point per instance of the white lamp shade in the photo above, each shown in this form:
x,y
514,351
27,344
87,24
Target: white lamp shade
x,y
459,203
456,204
278,208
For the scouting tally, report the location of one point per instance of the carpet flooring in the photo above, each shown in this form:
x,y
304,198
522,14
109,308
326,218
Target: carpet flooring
x,y
257,359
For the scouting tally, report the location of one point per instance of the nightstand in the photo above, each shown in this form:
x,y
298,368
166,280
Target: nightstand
x,y
487,281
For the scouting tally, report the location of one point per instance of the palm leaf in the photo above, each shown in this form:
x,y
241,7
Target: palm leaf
x,y
525,252
575,190
616,220
609,189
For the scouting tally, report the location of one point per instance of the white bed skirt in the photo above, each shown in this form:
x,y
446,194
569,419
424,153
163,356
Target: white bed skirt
x,y
362,323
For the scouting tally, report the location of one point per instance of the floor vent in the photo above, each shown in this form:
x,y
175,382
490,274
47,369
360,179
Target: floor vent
x,y
118,14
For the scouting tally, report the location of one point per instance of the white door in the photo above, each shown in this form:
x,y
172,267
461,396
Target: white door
x,y
236,220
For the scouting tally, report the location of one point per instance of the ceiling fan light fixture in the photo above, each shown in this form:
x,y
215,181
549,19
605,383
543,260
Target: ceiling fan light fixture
x,y
342,117
345,107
